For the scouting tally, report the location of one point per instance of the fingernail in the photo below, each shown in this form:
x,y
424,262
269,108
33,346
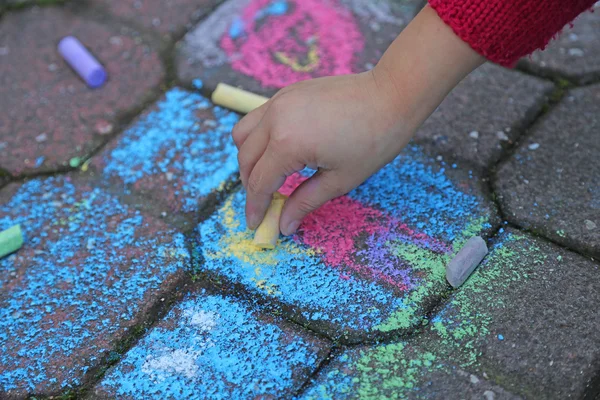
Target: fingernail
x,y
291,228
252,222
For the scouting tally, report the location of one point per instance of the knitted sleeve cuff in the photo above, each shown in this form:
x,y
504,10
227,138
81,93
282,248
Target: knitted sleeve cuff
x,y
503,31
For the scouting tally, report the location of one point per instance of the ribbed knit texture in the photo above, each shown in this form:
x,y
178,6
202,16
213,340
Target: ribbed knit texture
x,y
503,31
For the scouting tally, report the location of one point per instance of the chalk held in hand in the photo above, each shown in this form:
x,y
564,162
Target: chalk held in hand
x,y
465,262
82,61
267,233
11,240
236,99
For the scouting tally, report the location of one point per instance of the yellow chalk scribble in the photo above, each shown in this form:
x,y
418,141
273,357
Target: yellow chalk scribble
x,y
270,288
312,59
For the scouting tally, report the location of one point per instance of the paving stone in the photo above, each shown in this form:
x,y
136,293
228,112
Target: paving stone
x,y
164,16
264,45
525,320
366,265
484,114
50,116
3,179
551,185
179,152
493,102
575,53
89,270
399,371
214,346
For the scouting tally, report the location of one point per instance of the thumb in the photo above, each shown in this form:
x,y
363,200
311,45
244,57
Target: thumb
x,y
310,195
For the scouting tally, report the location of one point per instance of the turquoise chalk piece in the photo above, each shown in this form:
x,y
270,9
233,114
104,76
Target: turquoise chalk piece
x,y
10,240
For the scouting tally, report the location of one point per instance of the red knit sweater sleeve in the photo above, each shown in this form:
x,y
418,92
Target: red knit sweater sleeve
x,y
505,30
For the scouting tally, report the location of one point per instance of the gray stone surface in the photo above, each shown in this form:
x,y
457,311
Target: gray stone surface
x,y
90,269
551,185
365,266
575,54
526,321
264,46
168,17
179,153
484,114
50,118
400,371
213,346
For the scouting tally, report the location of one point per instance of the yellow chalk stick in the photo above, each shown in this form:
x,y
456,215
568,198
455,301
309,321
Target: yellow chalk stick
x,y
267,233
237,99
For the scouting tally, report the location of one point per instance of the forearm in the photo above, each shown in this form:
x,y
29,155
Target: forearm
x,y
421,67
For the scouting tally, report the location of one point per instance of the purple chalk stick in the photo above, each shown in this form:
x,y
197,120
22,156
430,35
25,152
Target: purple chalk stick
x,y
82,61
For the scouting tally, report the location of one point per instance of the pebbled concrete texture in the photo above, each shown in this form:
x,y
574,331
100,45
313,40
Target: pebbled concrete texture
x,y
484,114
167,17
178,153
215,346
574,54
366,265
551,184
522,325
264,45
90,269
49,115
399,371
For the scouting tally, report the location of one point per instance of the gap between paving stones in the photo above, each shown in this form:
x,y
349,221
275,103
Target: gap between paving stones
x,y
136,332
169,40
335,352
591,392
20,5
562,88
554,76
124,119
168,62
166,53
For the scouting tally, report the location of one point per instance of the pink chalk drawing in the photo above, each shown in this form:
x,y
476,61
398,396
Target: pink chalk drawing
x,y
333,230
282,42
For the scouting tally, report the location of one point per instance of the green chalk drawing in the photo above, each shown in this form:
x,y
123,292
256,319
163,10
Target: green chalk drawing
x,y
452,339
74,162
11,240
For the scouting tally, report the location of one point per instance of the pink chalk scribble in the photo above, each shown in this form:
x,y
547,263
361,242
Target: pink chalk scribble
x,y
333,230
283,42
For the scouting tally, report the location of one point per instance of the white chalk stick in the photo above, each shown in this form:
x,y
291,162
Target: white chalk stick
x,y
236,99
465,262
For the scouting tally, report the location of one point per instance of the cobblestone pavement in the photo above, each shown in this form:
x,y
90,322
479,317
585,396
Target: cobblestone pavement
x,y
137,278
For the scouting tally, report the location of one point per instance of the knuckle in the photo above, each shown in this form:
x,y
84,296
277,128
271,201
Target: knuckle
x,y
282,141
280,104
306,206
255,185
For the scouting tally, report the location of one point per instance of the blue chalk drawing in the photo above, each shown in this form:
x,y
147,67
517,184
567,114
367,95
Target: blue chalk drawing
x,y
86,266
212,347
298,278
194,156
409,189
236,29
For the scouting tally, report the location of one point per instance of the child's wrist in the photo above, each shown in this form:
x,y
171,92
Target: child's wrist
x,y
424,63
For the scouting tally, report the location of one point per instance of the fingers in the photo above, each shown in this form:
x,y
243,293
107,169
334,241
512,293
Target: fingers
x,y
251,151
310,195
266,177
242,129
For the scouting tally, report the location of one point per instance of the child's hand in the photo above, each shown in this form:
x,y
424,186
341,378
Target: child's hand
x,y
347,127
